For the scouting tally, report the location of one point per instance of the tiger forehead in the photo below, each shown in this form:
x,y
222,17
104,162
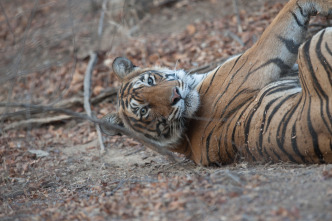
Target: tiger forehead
x,y
156,74
127,89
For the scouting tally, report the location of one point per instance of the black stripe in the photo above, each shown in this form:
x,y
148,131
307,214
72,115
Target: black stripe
x,y
123,104
321,57
156,73
230,158
291,46
246,134
200,88
301,10
260,138
277,61
285,124
235,62
127,88
124,88
176,111
133,120
230,112
219,153
313,134
304,91
281,88
169,75
231,80
229,83
228,72
247,126
280,63
297,20
276,154
150,137
294,144
135,89
275,109
207,145
136,98
211,81
234,128
328,69
281,138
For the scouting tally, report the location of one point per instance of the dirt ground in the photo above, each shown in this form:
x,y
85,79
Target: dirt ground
x,y
53,169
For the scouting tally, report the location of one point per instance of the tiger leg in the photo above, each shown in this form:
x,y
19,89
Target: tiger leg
x,y
315,72
276,51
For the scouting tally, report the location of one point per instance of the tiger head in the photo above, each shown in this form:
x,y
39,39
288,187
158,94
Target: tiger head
x,y
153,102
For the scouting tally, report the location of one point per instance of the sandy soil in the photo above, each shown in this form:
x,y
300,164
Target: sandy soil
x,y
68,179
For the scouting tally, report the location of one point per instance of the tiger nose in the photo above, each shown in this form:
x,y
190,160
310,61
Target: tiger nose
x,y
176,97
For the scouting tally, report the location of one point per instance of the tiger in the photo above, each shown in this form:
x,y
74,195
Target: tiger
x,y
272,103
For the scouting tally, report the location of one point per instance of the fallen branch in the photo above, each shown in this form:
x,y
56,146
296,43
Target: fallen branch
x,y
87,83
234,177
36,122
238,19
134,152
159,149
66,104
87,94
87,80
235,37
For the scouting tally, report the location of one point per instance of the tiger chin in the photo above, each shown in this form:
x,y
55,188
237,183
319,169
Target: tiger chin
x,y
154,102
253,107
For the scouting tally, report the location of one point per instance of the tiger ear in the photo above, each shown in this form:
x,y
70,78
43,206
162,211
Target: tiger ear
x,y
122,67
111,119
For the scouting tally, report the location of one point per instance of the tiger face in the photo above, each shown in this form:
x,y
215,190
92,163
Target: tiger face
x,y
154,102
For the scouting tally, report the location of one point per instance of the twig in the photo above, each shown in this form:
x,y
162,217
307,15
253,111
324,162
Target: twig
x,y
67,103
134,152
118,187
235,37
18,59
238,19
107,93
233,177
87,80
35,121
153,146
87,93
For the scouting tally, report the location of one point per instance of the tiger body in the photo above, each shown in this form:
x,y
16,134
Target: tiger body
x,y
252,106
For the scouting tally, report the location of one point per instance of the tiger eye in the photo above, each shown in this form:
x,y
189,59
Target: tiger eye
x,y
150,81
143,111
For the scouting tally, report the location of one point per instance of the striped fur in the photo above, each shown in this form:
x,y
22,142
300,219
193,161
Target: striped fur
x,y
253,106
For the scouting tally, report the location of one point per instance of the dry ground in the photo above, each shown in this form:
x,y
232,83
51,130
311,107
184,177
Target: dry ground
x,y
54,171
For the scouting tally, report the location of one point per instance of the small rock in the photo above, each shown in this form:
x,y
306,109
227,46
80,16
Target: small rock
x,y
39,153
